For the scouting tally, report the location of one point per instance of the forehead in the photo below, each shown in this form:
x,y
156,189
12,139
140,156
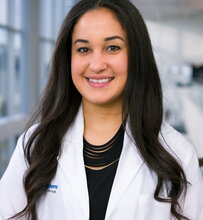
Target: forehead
x,y
101,21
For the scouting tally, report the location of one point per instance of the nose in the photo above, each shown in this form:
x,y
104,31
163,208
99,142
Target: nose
x,y
98,62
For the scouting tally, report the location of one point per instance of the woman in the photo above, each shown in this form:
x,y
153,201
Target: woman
x,y
100,149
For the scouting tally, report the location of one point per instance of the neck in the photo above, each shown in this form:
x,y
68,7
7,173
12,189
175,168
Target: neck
x,y
101,122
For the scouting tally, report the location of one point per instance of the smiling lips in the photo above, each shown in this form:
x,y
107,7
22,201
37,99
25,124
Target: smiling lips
x,y
99,82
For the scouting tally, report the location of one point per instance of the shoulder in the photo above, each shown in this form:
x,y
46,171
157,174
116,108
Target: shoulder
x,y
28,132
175,139
17,164
24,137
177,144
18,157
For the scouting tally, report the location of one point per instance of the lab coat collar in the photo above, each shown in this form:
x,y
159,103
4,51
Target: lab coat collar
x,y
72,164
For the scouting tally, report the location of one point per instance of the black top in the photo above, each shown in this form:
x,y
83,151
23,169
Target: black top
x,y
100,181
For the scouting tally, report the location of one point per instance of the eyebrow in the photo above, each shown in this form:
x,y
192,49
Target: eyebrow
x,y
105,39
113,37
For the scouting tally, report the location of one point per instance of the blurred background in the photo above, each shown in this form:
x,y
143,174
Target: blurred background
x,y
28,31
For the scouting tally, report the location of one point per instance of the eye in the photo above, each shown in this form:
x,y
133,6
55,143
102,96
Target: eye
x,y
83,50
113,48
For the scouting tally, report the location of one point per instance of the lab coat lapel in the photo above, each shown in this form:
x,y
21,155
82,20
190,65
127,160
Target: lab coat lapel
x,y
129,165
72,164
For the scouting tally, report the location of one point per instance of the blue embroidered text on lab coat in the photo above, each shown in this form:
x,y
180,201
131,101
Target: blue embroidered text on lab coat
x,y
53,186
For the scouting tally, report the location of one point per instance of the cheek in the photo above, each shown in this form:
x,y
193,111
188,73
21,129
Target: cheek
x,y
74,71
74,67
120,66
78,66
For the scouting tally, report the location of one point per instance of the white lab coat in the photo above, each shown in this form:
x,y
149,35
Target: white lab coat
x,y
132,192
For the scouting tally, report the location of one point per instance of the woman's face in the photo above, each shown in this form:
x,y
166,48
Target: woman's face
x,y
99,57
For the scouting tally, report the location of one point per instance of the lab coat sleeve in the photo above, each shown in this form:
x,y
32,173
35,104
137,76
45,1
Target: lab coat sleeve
x,y
12,195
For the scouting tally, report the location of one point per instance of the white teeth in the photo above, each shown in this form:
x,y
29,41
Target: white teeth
x,y
100,80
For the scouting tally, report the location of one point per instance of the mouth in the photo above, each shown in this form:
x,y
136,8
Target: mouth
x,y
99,82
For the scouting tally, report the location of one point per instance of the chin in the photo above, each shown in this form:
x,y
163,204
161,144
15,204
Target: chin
x,y
103,102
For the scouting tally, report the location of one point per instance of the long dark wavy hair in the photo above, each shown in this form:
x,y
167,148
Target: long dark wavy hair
x,y
142,103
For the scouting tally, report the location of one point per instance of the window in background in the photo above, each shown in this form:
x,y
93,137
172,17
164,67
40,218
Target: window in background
x,y
17,14
46,18
3,70
3,12
51,16
28,31
10,56
10,73
17,100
